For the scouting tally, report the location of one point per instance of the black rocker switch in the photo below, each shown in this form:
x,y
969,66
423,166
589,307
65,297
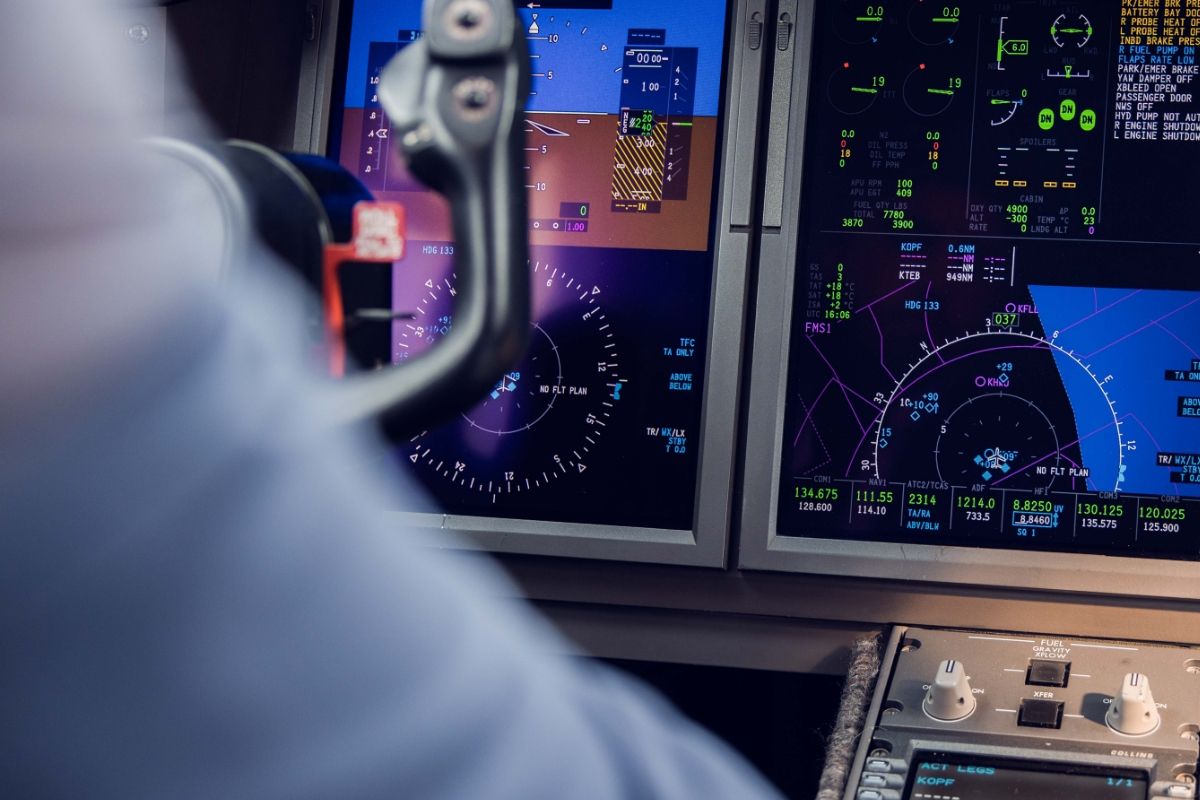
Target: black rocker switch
x,y
1043,672
1040,714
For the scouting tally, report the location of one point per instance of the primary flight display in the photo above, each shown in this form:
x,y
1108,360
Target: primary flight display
x,y
996,325
600,422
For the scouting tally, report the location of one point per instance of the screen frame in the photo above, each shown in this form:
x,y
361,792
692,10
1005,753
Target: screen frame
x,y
761,548
317,74
706,542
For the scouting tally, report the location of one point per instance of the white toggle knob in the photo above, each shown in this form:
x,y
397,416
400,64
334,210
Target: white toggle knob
x,y
1133,711
949,697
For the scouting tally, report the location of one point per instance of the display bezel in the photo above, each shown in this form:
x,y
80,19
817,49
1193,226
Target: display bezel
x,y
706,542
762,548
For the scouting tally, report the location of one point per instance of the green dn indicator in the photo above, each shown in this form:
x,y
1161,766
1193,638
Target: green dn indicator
x,y
1046,119
1087,119
1066,110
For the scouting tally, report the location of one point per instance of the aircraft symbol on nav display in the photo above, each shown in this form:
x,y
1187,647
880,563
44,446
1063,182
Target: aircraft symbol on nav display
x,y
995,460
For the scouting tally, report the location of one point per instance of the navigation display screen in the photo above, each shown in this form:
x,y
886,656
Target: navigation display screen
x,y
996,334
938,777
600,423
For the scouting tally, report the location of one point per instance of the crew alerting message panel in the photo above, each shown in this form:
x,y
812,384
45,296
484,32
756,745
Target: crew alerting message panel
x,y
600,423
996,326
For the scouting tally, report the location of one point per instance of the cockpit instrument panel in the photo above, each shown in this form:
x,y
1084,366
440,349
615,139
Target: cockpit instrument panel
x,y
994,333
601,424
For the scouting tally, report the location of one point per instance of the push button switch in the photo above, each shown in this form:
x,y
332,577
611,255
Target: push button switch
x,y
1040,714
1043,672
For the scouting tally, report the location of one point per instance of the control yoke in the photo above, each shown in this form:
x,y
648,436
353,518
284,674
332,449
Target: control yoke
x,y
455,100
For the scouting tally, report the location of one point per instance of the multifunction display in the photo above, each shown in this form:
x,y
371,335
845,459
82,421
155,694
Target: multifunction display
x,y
996,328
600,423
942,777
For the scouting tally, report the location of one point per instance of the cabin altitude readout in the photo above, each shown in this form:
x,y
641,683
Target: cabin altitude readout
x,y
600,421
996,320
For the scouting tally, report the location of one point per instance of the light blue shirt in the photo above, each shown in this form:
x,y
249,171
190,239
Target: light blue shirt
x,y
202,592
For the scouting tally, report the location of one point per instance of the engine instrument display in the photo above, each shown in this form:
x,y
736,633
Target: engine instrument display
x,y
600,422
996,328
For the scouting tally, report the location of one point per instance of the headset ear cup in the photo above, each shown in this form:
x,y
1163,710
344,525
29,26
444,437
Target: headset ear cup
x,y
301,204
245,196
270,206
287,212
337,188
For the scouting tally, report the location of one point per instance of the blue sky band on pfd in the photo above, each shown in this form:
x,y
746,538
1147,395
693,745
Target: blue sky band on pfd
x,y
582,47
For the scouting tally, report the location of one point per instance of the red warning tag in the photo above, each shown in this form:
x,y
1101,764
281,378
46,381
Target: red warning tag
x,y
379,232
